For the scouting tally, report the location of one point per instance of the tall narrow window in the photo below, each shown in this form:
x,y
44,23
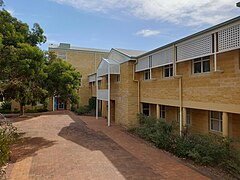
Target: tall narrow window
x,y
118,78
162,112
168,70
188,118
99,83
146,74
201,65
146,109
216,121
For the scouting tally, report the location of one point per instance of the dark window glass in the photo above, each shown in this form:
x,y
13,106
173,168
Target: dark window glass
x,y
206,66
146,109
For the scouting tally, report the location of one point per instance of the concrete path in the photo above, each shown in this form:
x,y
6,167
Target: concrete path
x,y
64,146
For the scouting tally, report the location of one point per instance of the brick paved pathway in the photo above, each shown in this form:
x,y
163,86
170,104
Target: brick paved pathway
x,y
64,146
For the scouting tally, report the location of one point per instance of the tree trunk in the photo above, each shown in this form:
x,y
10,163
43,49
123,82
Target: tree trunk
x,y
21,110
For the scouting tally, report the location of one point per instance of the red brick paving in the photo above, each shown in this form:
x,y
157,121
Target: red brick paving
x,y
85,148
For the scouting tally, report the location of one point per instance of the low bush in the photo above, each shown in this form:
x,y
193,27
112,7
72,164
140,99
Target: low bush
x,y
92,103
8,111
83,110
6,105
209,149
8,135
35,110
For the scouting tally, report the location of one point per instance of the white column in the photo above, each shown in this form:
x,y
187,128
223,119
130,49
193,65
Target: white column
x,y
109,85
96,81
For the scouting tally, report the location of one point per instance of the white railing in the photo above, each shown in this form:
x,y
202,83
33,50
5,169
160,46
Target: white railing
x,y
103,94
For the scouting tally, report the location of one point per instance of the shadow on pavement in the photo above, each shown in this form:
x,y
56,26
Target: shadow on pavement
x,y
28,146
128,165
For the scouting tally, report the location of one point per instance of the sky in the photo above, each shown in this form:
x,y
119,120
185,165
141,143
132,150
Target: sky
x,y
128,24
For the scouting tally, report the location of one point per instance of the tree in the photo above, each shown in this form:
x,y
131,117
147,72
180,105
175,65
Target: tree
x,y
63,80
22,63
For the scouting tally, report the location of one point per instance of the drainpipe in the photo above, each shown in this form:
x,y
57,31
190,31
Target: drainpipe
x,y
179,77
138,85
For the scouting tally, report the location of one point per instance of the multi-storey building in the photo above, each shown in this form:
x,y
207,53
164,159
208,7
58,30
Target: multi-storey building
x,y
85,61
194,81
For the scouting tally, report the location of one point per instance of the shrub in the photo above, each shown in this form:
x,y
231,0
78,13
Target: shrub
x,y
92,103
6,105
8,135
208,149
83,110
8,111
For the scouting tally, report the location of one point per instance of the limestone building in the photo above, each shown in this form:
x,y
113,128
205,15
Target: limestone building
x,y
194,81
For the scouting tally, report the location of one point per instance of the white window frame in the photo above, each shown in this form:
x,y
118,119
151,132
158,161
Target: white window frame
x,y
219,120
168,68
162,112
146,74
201,60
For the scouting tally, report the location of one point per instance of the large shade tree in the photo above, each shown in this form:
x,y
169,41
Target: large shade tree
x,y
21,61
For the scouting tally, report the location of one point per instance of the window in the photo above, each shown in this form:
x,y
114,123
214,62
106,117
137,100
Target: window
x,y
118,78
162,112
168,70
146,109
201,65
99,83
216,121
188,118
62,55
146,74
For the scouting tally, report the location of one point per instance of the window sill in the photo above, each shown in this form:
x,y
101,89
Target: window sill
x,y
168,78
219,133
147,80
201,74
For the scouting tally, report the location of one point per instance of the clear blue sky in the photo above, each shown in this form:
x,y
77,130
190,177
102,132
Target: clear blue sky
x,y
129,24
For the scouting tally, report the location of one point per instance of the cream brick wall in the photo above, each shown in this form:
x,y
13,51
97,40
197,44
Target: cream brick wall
x,y
86,63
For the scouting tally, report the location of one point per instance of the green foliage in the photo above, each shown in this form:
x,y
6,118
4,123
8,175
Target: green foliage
x,y
8,135
83,110
210,149
92,103
63,80
8,111
6,105
22,62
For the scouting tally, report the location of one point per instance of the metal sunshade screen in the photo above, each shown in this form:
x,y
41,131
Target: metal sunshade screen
x,y
92,78
143,64
196,48
103,95
103,68
162,58
229,38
